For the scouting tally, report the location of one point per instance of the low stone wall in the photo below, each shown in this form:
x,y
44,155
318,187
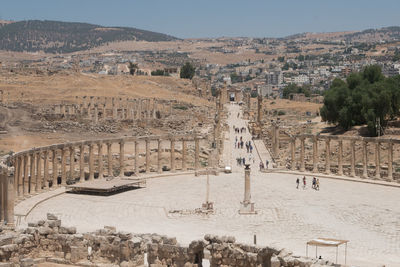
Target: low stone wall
x,y
50,241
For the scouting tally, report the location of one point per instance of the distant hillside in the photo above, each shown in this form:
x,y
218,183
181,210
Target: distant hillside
x,y
65,37
388,34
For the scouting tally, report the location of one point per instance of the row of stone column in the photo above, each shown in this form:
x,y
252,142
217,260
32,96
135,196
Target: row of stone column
x,y
6,198
315,139
32,168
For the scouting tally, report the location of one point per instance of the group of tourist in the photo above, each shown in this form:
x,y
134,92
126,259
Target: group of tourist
x,y
239,130
315,183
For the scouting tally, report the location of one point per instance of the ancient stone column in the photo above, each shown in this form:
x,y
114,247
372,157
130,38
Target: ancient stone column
x,y
247,207
292,152
353,158
96,115
89,112
46,170
302,152
100,159
137,157
121,158
2,197
196,153
315,153
63,166
32,174
377,160
172,155
147,155
390,162
259,108
276,140
184,152
16,171
81,162
327,156
365,159
20,176
340,158
91,162
9,214
109,156
71,162
38,172
159,167
26,175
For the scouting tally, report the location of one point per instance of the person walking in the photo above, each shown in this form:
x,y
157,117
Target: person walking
x,y
261,165
314,183
266,163
317,185
304,182
297,183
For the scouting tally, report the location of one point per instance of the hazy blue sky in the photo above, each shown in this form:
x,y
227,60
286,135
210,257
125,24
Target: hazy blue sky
x,y
213,18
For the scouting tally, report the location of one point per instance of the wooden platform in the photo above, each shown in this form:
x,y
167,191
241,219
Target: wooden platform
x,y
107,186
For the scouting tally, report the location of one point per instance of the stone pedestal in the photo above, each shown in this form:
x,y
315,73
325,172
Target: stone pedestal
x,y
247,207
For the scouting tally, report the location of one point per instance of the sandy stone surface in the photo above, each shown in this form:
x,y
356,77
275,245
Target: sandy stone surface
x,y
366,215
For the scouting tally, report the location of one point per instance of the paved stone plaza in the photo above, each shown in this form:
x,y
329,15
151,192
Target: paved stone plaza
x,y
365,214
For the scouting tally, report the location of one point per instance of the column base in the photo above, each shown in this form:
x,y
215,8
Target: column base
x,y
208,206
247,208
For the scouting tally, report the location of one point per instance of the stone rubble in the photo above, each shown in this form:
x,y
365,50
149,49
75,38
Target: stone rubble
x,y
49,241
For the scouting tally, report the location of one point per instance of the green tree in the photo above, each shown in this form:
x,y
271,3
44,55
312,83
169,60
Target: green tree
x,y
365,98
187,71
132,67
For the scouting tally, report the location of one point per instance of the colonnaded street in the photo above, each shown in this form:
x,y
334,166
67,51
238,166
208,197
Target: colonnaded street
x,y
367,215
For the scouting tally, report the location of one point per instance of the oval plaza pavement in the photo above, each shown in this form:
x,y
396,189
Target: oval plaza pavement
x,y
367,215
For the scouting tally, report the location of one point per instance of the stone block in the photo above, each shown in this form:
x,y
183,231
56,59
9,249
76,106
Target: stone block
x,y
44,230
51,216
54,223
6,239
28,262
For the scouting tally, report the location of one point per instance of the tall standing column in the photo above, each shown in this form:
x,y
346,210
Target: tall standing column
x,y
247,207
100,159
9,214
159,167
292,152
16,171
172,155
20,176
353,158
81,162
32,174
2,197
109,156
121,158
72,162
91,162
315,153
26,175
38,171
276,141
390,162
377,160
63,166
20,184
196,153
365,159
46,169
147,155
328,156
96,114
340,158
137,157
184,148
302,152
